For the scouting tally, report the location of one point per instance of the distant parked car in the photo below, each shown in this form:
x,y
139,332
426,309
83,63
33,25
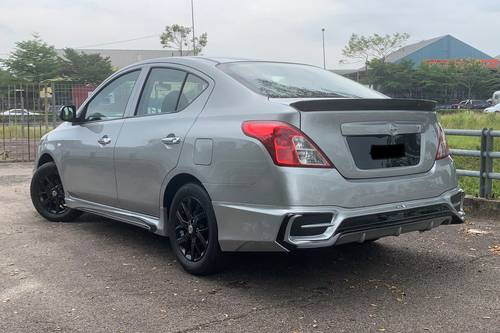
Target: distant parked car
x,y
493,109
444,107
473,104
461,105
18,113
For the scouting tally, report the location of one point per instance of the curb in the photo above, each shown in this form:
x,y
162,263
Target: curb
x,y
481,208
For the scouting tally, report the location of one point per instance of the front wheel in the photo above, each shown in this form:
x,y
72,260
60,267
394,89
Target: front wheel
x,y
47,195
192,230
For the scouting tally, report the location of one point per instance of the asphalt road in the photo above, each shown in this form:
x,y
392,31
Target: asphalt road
x,y
97,275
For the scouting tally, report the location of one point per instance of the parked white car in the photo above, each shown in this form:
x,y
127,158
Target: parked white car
x,y
18,113
494,108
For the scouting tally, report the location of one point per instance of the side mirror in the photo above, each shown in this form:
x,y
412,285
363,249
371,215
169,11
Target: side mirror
x,y
68,113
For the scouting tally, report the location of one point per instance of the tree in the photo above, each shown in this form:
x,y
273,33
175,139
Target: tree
x,y
200,42
85,68
393,78
437,81
472,75
5,77
454,80
493,81
366,48
33,60
179,37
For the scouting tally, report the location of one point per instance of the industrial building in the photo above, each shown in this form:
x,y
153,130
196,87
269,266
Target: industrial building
x,y
122,58
438,50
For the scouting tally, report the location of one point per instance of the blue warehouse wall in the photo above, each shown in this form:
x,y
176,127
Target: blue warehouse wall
x,y
448,48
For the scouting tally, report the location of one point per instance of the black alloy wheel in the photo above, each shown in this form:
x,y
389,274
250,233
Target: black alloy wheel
x,y
192,230
51,194
47,195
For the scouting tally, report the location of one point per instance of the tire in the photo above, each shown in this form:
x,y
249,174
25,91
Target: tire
x,y
192,231
47,195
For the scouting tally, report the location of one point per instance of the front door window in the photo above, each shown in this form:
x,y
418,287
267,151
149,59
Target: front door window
x,y
112,100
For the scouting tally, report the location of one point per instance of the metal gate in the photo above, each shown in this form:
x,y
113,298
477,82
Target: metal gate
x,y
29,110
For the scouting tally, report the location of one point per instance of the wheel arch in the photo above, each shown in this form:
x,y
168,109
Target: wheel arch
x,y
174,184
44,158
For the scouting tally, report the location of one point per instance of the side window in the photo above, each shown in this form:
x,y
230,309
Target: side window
x,y
161,92
193,88
110,102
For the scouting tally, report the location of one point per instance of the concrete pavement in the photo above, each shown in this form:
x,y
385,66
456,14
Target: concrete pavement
x,y
98,275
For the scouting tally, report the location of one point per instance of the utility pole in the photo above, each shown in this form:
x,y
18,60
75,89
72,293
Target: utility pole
x,y
192,26
324,56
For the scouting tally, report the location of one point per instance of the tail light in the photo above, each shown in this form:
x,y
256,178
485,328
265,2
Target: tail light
x,y
442,150
287,145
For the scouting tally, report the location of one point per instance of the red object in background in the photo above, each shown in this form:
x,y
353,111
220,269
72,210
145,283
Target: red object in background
x,y
80,92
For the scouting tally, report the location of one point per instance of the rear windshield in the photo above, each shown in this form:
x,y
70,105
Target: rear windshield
x,y
285,80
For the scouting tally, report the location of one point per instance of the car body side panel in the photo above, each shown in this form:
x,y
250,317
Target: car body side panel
x,y
235,159
87,168
143,160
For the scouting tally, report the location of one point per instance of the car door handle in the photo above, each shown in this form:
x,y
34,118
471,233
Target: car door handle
x,y
171,139
105,140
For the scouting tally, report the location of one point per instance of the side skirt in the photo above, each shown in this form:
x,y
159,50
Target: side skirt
x,y
151,223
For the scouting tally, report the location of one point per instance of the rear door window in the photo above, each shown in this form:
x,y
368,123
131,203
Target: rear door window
x,y
193,87
162,91
169,90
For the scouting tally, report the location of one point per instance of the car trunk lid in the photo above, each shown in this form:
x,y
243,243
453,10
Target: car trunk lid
x,y
371,138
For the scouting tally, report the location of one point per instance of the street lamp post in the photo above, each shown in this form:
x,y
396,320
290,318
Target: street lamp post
x,y
192,25
324,56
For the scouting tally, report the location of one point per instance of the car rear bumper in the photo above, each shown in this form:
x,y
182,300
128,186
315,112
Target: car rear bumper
x,y
268,228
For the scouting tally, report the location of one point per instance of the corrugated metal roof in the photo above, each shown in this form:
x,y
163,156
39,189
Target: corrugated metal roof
x,y
409,49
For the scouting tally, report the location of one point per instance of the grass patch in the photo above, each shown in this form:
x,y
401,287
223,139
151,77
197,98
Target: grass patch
x,y
34,131
471,120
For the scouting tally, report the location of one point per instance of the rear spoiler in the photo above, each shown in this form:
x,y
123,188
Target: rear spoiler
x,y
363,104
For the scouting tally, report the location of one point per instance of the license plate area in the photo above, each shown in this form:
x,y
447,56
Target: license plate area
x,y
385,151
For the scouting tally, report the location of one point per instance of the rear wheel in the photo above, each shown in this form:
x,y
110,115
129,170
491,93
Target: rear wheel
x,y
192,230
47,195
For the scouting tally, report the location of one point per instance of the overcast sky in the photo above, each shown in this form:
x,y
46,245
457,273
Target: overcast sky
x,y
264,29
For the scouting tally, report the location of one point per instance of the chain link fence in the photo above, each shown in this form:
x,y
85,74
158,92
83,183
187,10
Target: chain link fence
x,y
29,110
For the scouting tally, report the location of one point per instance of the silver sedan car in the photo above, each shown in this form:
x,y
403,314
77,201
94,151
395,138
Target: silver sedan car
x,y
236,155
